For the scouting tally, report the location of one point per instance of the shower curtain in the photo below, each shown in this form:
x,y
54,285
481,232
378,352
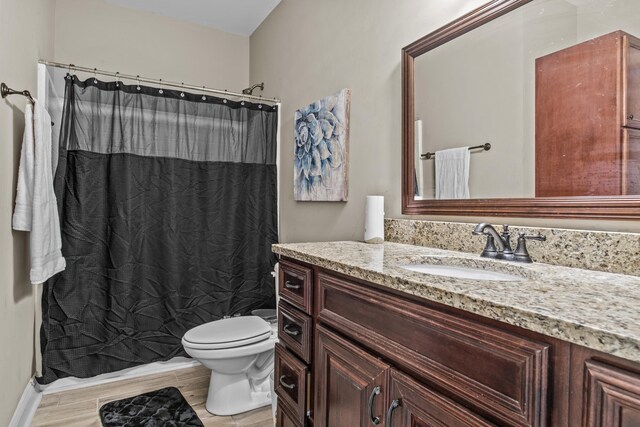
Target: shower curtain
x,y
168,205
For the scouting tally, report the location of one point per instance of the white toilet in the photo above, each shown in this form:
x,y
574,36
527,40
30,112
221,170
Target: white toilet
x,y
239,351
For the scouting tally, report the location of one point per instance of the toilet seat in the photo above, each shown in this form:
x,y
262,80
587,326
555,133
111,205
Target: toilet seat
x,y
228,333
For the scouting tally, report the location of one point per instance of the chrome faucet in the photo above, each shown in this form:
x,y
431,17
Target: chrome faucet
x,y
503,240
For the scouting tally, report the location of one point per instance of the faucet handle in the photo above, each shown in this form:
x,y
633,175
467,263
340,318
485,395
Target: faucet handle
x,y
522,254
539,237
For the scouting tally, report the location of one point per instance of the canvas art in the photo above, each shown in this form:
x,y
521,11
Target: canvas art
x,y
321,163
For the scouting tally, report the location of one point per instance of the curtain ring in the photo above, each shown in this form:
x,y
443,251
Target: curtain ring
x,y
225,99
69,71
160,91
204,98
138,81
242,101
117,78
182,90
260,105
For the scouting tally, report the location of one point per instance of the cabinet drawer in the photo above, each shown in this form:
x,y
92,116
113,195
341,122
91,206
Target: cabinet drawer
x,y
284,419
295,285
500,375
291,383
294,331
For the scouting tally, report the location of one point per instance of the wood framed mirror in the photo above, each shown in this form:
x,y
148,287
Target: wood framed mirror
x,y
555,152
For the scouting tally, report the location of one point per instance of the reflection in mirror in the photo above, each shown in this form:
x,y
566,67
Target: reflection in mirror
x,y
553,87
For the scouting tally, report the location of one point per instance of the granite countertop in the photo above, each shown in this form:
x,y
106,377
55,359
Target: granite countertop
x,y
589,308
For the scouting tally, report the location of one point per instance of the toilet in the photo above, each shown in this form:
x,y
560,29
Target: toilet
x,y
239,351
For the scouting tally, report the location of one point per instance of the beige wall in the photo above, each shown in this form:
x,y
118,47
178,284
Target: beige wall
x,y
307,49
26,33
93,33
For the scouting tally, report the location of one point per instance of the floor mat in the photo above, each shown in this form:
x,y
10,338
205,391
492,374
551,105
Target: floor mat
x,y
164,407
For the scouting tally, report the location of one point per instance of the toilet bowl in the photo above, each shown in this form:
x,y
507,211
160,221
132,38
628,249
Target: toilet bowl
x,y
239,351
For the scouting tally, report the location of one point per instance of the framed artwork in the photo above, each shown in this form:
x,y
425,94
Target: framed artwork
x,y
321,157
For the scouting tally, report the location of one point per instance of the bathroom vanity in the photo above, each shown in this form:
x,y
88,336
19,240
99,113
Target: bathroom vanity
x,y
366,341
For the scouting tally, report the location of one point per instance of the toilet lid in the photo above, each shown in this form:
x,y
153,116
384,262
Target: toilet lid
x,y
232,332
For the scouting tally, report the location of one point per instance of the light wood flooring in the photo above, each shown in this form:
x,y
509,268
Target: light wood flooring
x,y
79,407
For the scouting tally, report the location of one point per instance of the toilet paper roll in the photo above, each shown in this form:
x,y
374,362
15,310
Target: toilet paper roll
x,y
374,219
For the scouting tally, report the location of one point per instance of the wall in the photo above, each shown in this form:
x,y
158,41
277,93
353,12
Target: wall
x,y
305,50
26,34
92,33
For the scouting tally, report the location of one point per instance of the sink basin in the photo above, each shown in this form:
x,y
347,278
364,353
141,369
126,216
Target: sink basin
x,y
458,272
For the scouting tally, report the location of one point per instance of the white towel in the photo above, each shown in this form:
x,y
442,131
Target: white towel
x,y
36,208
452,173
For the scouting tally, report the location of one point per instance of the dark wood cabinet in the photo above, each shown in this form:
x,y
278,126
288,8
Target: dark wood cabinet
x,y
379,353
414,405
501,375
586,95
294,354
284,419
291,383
351,386
609,390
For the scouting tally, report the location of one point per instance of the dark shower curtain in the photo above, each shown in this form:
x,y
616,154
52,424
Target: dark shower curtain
x,y
168,208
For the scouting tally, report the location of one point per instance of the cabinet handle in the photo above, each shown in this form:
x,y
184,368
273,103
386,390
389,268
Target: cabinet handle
x,y
284,384
392,407
290,331
376,391
290,285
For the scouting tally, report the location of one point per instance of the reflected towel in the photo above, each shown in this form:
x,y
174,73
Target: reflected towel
x,y
452,173
36,208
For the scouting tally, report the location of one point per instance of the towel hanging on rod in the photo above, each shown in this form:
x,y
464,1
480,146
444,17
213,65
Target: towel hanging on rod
x,y
429,156
6,91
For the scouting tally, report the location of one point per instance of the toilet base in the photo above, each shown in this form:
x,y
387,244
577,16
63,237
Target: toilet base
x,y
231,394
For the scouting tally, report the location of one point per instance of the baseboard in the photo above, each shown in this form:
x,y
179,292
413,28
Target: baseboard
x,y
27,406
72,383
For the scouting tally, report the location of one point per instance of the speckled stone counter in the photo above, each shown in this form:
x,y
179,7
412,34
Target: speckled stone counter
x,y
594,309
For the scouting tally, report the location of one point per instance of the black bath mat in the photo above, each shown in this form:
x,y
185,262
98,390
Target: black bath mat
x,y
161,408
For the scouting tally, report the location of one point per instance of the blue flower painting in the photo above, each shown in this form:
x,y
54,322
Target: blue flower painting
x,y
321,149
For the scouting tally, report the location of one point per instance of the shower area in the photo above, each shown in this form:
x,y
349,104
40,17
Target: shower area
x,y
168,204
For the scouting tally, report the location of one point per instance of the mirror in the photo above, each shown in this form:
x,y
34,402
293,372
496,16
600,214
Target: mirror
x,y
526,108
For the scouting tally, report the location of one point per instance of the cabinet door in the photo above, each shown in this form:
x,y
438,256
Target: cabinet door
x,y
611,396
631,161
632,82
414,405
351,384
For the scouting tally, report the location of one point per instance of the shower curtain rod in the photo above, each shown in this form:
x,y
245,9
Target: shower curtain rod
x,y
159,82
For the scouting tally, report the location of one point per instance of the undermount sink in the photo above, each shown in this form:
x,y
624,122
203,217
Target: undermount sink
x,y
459,272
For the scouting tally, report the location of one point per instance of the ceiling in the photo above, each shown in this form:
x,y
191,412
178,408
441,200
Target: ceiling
x,y
233,16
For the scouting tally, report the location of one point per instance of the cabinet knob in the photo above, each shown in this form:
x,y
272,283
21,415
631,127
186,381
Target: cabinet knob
x,y
630,117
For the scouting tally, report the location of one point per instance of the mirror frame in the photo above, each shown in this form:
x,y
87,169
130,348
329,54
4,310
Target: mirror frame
x,y
582,207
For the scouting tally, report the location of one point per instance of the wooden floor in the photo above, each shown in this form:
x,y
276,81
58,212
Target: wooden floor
x,y
79,407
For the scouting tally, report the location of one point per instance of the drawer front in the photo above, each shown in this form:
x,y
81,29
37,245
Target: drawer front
x,y
291,383
500,375
295,285
284,419
294,331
